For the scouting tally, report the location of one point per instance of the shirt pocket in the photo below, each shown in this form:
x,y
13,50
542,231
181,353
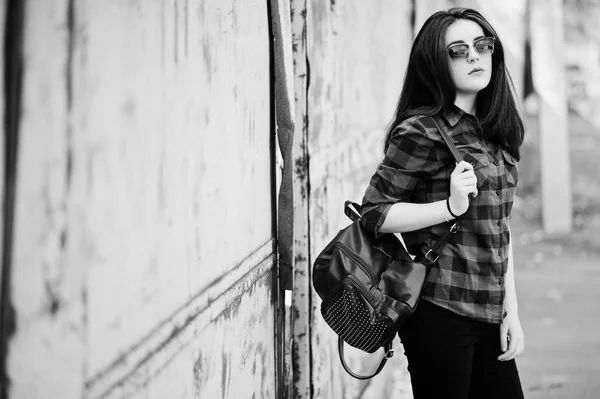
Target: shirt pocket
x,y
480,163
511,169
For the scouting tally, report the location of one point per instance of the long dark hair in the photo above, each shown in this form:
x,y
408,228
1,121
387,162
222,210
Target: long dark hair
x,y
429,88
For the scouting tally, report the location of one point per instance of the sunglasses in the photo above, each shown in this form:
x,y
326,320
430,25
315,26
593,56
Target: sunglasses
x,y
483,45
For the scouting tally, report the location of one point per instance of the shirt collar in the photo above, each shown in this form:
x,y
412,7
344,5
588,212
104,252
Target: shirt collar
x,y
453,115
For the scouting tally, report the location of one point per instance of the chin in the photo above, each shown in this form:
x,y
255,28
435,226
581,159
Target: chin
x,y
472,88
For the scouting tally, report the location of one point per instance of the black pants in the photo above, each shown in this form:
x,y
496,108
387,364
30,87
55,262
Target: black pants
x,y
454,357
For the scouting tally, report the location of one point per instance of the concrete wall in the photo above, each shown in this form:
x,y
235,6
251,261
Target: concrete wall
x,y
144,243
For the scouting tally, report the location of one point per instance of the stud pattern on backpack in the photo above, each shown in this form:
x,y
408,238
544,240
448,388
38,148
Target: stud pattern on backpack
x,y
349,317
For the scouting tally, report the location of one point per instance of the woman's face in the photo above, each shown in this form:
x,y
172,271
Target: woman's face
x,y
471,72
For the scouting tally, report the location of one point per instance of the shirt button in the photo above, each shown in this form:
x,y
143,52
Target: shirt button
x,y
499,252
499,222
496,162
498,192
473,164
500,280
380,167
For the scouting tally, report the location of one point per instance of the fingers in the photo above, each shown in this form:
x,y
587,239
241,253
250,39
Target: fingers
x,y
464,173
515,348
468,185
461,167
503,337
463,183
466,180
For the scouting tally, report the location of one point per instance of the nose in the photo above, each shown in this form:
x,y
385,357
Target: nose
x,y
473,54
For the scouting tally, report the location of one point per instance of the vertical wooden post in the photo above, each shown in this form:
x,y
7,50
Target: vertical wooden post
x,y
3,104
549,82
285,117
301,353
285,125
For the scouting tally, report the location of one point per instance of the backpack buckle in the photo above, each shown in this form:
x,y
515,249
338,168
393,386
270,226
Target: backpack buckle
x,y
389,353
431,260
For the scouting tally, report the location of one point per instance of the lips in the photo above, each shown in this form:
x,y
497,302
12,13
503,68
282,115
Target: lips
x,y
476,70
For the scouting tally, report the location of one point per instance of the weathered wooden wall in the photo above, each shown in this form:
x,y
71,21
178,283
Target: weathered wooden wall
x,y
357,57
144,241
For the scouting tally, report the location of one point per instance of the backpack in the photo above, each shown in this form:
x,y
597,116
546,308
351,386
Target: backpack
x,y
370,286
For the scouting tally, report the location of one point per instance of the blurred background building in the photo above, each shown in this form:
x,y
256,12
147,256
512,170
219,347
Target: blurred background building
x,y
582,56
172,168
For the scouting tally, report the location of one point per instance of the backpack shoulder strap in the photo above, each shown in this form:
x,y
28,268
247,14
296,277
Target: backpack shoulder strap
x,y
448,141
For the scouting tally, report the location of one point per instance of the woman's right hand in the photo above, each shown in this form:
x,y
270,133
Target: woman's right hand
x,y
462,183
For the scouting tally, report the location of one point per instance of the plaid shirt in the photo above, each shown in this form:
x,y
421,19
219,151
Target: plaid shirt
x,y
468,277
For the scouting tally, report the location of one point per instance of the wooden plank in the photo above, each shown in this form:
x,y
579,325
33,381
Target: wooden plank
x,y
138,365
47,279
2,142
238,323
301,352
176,144
285,120
144,182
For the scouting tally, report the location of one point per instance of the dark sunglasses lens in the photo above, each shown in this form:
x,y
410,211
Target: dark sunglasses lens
x,y
459,51
485,46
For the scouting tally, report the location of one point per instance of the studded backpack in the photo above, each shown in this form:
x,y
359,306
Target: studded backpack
x,y
370,286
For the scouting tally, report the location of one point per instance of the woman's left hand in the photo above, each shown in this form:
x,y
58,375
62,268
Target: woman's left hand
x,y
512,339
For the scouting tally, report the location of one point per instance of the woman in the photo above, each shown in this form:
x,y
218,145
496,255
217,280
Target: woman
x,y
465,334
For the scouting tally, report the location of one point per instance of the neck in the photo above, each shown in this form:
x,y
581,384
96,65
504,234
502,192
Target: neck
x,y
466,102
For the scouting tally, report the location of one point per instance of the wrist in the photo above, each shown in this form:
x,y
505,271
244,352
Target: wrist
x,y
447,216
452,214
511,305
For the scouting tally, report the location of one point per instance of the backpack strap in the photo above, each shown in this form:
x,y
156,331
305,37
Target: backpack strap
x,y
389,352
354,210
432,255
448,141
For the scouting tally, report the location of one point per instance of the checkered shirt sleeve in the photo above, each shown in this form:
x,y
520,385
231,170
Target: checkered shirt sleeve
x,y
410,158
